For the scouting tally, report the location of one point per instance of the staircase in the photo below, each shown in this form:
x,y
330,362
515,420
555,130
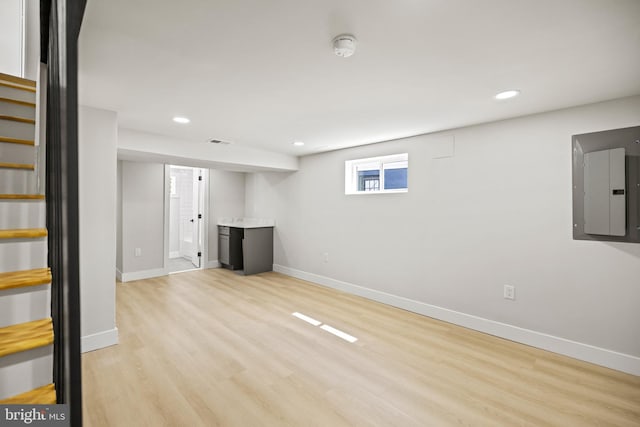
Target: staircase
x,y
26,330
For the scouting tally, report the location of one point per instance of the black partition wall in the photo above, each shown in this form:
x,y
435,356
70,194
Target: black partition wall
x,y
60,22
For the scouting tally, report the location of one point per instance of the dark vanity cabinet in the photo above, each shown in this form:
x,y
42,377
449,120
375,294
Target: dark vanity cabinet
x,y
249,249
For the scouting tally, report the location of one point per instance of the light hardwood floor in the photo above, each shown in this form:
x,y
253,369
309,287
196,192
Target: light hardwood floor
x,y
211,348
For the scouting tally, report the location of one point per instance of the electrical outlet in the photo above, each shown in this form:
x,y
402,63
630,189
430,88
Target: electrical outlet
x,y
510,292
138,251
325,256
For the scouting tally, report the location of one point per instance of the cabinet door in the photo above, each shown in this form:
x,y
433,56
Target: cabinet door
x,y
223,249
258,250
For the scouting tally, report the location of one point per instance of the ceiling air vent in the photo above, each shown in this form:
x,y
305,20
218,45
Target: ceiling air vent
x,y
217,141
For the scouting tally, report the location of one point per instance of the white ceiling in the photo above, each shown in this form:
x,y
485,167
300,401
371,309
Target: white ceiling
x,y
263,74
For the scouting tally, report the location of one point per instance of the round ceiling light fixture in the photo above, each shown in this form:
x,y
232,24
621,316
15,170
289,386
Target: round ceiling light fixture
x,y
298,143
344,45
507,94
181,120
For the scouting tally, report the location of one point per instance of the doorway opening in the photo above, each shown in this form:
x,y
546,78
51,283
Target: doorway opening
x,y
186,194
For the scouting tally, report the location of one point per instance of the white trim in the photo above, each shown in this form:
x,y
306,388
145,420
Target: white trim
x,y
167,216
204,225
100,340
174,254
143,274
213,264
118,275
588,353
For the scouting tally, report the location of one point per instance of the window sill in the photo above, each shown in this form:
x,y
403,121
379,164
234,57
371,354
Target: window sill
x,y
366,193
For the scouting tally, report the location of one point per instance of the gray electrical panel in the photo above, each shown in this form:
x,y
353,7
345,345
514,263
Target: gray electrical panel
x,y
606,185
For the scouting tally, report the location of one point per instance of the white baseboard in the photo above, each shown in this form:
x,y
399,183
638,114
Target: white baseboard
x,y
144,274
99,340
174,254
213,264
588,353
119,275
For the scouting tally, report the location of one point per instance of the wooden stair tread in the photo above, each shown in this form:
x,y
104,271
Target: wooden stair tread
x,y
21,196
17,86
17,101
17,119
26,336
23,233
45,395
17,80
24,278
16,140
17,166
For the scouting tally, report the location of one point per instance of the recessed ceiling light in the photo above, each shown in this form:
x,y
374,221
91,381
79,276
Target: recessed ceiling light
x,y
507,94
181,120
298,143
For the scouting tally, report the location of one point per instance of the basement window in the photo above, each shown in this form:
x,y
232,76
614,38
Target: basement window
x,y
375,175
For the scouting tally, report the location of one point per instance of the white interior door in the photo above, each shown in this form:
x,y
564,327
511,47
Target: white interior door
x,y
196,221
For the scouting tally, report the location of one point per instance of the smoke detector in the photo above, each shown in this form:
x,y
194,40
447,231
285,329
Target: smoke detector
x,y
344,45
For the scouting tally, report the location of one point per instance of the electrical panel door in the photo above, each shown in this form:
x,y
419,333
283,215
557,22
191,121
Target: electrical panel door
x,y
605,192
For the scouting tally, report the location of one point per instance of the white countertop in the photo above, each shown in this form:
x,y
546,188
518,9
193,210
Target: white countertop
x,y
246,222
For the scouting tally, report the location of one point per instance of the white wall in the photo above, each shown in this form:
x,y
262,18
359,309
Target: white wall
x,y
97,209
497,212
11,32
142,218
226,200
31,48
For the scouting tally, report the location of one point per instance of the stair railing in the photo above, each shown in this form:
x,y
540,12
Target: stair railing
x,y
60,22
